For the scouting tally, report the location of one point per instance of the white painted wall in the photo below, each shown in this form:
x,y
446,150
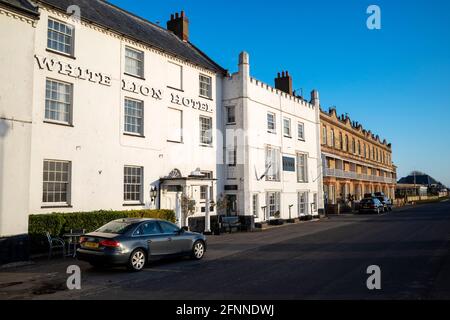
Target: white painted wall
x,y
15,120
253,100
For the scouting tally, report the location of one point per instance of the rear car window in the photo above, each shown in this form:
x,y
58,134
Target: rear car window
x,y
117,227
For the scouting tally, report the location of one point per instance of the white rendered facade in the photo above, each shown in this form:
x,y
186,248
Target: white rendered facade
x,y
261,136
93,144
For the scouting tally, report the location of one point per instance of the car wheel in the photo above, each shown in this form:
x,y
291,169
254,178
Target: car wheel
x,y
137,260
198,250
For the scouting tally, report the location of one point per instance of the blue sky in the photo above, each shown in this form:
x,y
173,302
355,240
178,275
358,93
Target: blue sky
x,y
394,81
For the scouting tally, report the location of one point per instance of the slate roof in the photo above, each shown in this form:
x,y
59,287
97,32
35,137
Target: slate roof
x,y
110,16
21,5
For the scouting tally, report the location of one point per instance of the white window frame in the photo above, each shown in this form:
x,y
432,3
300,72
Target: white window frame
x,y
139,61
273,208
230,110
205,87
138,102
273,158
64,34
49,100
272,124
204,139
255,205
287,130
302,135
302,195
302,168
125,184
55,180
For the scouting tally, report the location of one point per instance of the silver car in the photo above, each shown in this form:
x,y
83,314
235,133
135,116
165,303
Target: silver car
x,y
133,242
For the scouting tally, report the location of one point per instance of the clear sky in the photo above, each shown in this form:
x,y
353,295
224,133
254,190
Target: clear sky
x,y
394,81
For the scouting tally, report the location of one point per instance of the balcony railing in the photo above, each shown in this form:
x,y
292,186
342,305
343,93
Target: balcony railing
x,y
339,173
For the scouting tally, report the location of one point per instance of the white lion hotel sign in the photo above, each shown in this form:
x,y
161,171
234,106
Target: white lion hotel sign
x,y
101,78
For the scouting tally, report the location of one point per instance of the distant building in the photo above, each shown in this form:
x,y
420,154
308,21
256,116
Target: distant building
x,y
355,161
419,183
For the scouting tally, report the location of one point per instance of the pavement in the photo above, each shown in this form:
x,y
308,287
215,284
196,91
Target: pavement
x,y
324,259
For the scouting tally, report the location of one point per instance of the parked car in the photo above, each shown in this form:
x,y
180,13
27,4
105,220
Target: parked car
x,y
370,205
133,242
387,204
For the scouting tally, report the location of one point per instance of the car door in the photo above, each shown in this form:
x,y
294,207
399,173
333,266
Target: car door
x,y
179,242
150,233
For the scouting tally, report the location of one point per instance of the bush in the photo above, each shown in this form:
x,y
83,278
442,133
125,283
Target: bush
x,y
59,223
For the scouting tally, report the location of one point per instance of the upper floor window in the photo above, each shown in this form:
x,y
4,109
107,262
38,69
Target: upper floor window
x,y
287,127
353,145
58,101
302,167
205,130
346,143
205,86
134,117
332,138
341,141
301,131
231,114
175,76
134,62
272,163
174,125
359,147
271,124
324,135
60,37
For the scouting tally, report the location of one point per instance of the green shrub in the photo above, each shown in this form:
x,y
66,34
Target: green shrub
x,y
59,223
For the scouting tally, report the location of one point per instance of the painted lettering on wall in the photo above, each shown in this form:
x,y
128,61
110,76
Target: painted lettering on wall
x,y
190,103
143,89
71,70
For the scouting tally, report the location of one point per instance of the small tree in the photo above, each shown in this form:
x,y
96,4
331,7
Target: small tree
x,y
222,204
187,207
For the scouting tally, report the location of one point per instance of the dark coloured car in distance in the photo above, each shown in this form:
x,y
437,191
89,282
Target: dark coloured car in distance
x,y
387,204
370,205
133,242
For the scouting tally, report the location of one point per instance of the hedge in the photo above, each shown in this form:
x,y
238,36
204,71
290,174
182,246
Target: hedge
x,y
60,223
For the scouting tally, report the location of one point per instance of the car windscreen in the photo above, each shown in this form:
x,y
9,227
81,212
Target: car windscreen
x,y
118,227
366,201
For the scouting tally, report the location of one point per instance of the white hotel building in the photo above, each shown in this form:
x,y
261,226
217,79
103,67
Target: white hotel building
x,y
105,110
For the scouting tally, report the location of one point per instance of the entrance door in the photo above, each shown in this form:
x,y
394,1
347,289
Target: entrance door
x,y
232,205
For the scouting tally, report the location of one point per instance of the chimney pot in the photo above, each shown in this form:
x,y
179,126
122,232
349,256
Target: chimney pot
x,y
179,25
284,83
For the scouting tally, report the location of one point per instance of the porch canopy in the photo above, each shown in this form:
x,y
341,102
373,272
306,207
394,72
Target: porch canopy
x,y
197,186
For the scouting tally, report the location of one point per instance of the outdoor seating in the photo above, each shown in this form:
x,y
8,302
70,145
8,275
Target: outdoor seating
x,y
231,222
73,239
55,243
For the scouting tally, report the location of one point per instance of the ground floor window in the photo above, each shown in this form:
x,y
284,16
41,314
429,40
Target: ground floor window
x,y
132,184
56,182
315,200
302,203
273,204
255,205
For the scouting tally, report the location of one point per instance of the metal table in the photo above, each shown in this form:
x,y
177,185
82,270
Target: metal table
x,y
73,240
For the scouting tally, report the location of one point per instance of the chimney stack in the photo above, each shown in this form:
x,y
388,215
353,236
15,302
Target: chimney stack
x,y
315,100
283,82
179,25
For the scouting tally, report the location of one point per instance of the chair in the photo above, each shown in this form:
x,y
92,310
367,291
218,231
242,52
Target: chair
x,y
55,243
